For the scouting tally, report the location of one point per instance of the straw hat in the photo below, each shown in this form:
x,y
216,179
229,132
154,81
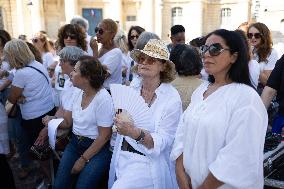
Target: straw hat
x,y
154,48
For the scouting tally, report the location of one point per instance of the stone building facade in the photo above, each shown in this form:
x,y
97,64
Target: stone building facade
x,y
198,16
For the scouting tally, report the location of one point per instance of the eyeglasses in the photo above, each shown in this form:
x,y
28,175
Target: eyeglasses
x,y
71,36
256,35
147,60
99,30
213,49
134,36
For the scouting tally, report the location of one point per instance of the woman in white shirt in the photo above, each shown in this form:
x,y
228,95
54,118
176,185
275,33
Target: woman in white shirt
x,y
69,56
141,156
260,39
87,156
41,43
109,55
220,139
31,89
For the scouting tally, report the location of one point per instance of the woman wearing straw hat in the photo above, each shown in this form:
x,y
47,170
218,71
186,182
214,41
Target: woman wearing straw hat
x,y
145,163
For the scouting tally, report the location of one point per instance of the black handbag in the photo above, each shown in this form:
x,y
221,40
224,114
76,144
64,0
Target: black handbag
x,y
41,152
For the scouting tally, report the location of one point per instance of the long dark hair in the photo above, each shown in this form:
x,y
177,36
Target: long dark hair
x,y
239,71
139,30
265,47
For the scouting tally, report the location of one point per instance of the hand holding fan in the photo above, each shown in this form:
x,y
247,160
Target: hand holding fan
x,y
126,98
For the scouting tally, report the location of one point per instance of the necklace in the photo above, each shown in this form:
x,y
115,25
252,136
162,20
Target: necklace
x,y
149,97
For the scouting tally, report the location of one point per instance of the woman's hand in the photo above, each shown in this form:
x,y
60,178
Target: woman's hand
x,y
42,137
46,119
125,126
94,47
78,166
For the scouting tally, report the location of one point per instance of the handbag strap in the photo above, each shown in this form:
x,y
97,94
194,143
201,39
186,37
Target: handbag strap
x,y
39,72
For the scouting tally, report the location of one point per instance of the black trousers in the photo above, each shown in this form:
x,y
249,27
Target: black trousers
x,y
7,179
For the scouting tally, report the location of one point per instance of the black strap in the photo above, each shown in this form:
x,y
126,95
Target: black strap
x,y
39,72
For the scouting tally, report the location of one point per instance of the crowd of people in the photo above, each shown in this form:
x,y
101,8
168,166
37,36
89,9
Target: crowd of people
x,y
208,101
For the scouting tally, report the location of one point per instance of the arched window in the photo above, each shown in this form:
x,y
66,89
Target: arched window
x,y
176,15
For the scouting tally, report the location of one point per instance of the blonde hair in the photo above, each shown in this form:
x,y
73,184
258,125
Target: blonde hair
x,y
43,38
110,25
121,42
18,53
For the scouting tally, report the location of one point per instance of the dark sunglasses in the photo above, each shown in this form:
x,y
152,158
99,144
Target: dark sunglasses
x,y
34,40
213,49
256,35
71,36
134,36
99,30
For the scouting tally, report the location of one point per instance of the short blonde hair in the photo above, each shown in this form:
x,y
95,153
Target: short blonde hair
x,y
18,53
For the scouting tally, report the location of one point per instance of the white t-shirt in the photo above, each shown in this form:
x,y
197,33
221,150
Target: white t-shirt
x,y
100,112
271,60
228,142
112,59
254,71
36,89
47,59
67,95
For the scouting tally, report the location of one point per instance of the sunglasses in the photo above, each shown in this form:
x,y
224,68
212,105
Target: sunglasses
x,y
34,40
134,36
50,69
148,60
256,35
213,49
99,30
71,36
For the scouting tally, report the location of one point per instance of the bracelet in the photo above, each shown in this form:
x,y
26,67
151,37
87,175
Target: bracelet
x,y
85,159
140,139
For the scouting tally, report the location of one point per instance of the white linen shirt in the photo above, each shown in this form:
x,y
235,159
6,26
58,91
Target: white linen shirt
x,y
112,60
166,111
223,134
100,112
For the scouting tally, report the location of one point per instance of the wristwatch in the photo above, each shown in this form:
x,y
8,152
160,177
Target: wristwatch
x,y
141,137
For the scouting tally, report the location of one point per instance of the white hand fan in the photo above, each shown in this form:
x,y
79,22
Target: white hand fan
x,y
126,98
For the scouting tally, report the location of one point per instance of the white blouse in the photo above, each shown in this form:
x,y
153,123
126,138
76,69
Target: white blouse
x,y
100,112
271,61
223,134
166,111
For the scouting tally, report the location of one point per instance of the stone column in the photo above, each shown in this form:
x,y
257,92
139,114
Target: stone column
x,y
71,9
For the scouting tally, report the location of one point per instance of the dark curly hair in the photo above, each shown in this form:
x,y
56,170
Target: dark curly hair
x,y
93,70
186,59
73,29
139,30
265,47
